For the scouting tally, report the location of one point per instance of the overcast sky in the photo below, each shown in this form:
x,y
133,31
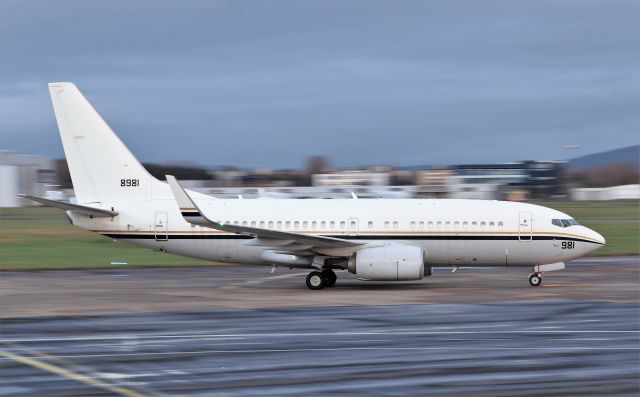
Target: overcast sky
x,y
269,83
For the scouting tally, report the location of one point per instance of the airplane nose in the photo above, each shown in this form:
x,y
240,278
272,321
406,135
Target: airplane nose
x,y
596,236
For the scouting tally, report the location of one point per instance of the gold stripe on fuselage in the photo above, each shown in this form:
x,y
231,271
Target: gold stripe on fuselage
x,y
347,234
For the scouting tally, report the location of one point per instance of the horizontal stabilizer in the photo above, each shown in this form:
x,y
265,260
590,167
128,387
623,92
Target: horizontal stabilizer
x,y
81,209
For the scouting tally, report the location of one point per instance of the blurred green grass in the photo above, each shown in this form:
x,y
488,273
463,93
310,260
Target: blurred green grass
x,y
42,238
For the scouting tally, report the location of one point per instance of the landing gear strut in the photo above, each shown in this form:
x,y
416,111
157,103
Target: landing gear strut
x,y
535,279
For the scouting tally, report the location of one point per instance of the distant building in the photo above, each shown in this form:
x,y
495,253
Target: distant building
x,y
24,174
434,183
624,192
520,180
352,178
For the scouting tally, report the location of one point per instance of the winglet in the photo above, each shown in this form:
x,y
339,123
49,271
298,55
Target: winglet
x,y
188,208
186,205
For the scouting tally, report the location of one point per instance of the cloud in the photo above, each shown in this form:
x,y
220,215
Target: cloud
x,y
268,83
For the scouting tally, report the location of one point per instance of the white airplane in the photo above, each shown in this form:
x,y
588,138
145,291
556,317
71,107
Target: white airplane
x,y
388,240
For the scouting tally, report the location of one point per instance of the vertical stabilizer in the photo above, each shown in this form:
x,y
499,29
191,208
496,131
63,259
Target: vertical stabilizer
x,y
102,168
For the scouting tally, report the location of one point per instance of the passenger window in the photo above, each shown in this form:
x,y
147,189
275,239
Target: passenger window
x,y
342,224
296,224
483,224
287,225
456,224
491,224
332,225
244,223
236,223
305,224
474,224
279,224
314,224
353,225
370,224
395,224
439,224
323,224
253,223
465,224
447,224
430,224
262,224
270,224
386,224
413,225
500,224
421,224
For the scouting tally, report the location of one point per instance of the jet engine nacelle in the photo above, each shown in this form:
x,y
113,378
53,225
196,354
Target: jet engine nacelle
x,y
389,263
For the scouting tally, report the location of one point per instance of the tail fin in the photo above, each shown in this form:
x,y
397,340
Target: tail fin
x,y
101,166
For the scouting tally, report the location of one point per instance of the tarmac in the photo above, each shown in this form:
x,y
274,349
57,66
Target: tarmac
x,y
240,331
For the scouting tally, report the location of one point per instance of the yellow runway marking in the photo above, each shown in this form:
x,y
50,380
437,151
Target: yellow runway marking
x,y
54,369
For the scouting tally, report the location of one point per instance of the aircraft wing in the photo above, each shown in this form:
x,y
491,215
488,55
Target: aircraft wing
x,y
280,240
82,209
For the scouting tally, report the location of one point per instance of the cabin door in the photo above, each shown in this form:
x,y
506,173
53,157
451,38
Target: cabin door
x,y
525,230
161,227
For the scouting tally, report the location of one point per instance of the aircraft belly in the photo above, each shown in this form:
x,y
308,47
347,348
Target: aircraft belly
x,y
490,253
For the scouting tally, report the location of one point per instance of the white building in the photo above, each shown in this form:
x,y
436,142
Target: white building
x,y
462,188
24,174
623,192
352,178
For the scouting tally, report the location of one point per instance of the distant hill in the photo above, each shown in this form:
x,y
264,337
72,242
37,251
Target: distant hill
x,y
630,154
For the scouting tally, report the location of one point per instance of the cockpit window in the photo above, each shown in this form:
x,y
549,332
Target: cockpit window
x,y
564,222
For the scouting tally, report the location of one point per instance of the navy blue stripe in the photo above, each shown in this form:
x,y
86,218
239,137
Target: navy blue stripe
x,y
376,237
190,213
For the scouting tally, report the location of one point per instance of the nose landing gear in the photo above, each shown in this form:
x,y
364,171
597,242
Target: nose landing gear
x,y
535,279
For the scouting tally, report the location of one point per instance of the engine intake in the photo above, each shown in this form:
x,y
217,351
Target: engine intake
x,y
390,263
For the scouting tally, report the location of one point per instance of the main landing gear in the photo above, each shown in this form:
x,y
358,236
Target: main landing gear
x,y
535,279
319,280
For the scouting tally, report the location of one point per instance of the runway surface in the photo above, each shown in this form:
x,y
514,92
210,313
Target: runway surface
x,y
481,332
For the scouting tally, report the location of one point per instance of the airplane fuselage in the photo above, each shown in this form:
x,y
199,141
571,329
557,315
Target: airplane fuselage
x,y
452,232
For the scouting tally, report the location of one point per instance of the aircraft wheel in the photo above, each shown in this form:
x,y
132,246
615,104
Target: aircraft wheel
x,y
329,277
535,280
315,280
